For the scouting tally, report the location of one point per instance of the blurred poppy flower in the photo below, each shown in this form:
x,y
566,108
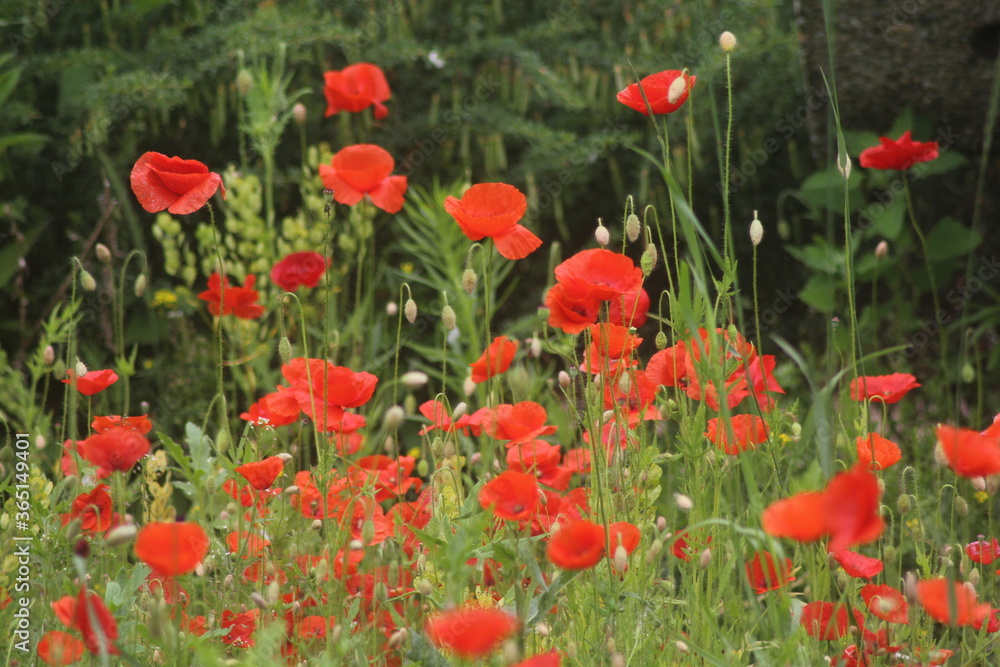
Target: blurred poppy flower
x,y
857,565
355,88
885,388
625,535
885,602
764,574
171,549
876,452
261,474
98,637
952,603
685,546
493,210
510,495
747,432
138,423
969,453
983,552
59,648
828,620
246,544
95,510
241,628
441,418
663,95
550,659
299,269
495,359
518,423
226,299
900,154
578,545
180,186
117,448
364,169
93,382
470,632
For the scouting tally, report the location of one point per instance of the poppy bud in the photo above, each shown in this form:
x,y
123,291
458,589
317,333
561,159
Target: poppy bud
x,y
968,373
910,581
413,379
681,646
881,250
511,653
621,558
756,230
423,467
648,260
625,383
299,113
459,411
103,254
316,525
87,281
654,551
397,639
394,416
974,578
258,600
410,404
139,288
979,484
367,531
632,227
448,318
391,308
684,503
321,570
601,233
617,659
564,379
469,386
292,490
424,586
903,503
81,368
244,80
961,507
881,485
410,310
727,41
535,347
285,350
676,89
661,340
49,355
469,280
705,558
844,165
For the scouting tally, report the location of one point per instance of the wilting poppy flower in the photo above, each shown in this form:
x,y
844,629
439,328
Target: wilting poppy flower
x,y
578,545
518,423
983,552
94,509
885,602
139,423
59,648
261,474
117,448
510,495
93,382
100,637
241,628
747,431
171,549
876,452
857,565
900,154
969,453
661,92
299,269
180,186
226,299
355,88
828,620
470,632
764,574
549,659
493,210
364,169
494,360
885,388
952,603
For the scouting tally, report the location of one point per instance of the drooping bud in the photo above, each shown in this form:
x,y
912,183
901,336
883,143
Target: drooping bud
x,y
684,503
459,411
410,310
469,280
103,254
139,287
120,534
961,507
661,340
285,350
632,227
756,230
564,379
601,233
391,308
413,379
727,41
87,281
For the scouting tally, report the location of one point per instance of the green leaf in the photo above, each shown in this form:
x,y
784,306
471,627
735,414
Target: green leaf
x,y
199,446
819,292
818,256
950,239
826,189
946,161
889,223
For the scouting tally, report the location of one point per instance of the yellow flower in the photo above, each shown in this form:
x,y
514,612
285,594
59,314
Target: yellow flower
x,y
164,298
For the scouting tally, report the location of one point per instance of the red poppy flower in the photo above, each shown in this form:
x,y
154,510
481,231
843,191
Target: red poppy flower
x,y
98,637
171,549
578,545
180,186
535,456
764,575
59,648
316,380
364,169
518,423
261,474
470,632
876,452
747,431
510,495
828,620
94,509
885,388
900,154
299,269
611,345
226,299
355,88
657,88
885,602
686,546
625,535
140,423
495,359
493,210
65,609
93,382
983,552
668,367
550,659
599,274
117,448
953,603
279,408
241,628
440,418
629,310
857,565
247,545
969,453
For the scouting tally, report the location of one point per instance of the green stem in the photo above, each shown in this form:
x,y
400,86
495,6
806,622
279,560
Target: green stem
x,y
911,214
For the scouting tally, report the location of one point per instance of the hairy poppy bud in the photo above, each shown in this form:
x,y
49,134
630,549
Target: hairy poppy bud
x,y
469,280
285,350
120,534
648,260
410,310
661,340
632,227
448,318
684,503
394,416
961,507
413,379
727,41
49,355
756,230
903,503
601,233
87,281
103,254
81,368
564,379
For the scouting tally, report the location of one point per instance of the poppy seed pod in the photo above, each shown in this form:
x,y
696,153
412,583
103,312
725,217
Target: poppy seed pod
x,y
727,41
